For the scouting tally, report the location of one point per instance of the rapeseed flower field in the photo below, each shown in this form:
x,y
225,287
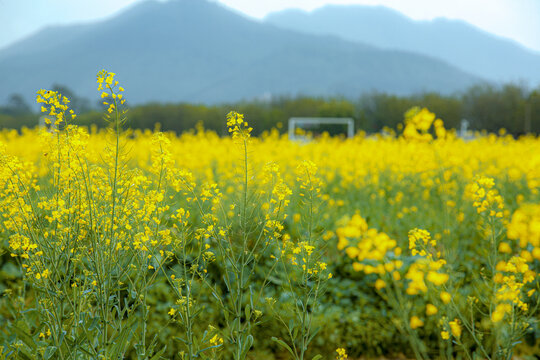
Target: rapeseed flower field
x,y
123,243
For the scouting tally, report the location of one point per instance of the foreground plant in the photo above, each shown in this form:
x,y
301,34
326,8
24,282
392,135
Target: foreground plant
x,y
489,322
505,287
498,310
238,237
302,271
89,241
94,237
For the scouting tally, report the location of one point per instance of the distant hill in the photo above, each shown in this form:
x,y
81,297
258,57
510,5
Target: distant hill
x,y
198,51
456,42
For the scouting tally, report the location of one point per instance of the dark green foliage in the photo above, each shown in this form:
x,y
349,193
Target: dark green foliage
x,y
486,107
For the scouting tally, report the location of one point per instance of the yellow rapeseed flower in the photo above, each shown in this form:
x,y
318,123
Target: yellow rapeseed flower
x,y
416,322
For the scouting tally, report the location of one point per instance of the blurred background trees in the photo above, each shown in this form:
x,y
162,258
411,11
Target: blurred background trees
x,y
485,107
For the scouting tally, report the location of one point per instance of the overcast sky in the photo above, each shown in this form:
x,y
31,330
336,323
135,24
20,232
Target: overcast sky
x,y
515,19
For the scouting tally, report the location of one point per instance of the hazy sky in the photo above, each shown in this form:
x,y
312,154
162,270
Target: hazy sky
x,y
516,19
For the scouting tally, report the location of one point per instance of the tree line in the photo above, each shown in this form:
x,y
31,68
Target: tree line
x,y
485,107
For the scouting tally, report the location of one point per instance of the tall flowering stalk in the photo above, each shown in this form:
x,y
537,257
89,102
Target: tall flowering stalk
x,y
302,270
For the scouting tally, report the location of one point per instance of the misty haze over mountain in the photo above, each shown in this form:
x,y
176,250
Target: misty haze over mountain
x,y
456,42
199,51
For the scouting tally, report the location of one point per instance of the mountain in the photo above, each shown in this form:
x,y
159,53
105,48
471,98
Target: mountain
x,y
199,51
456,42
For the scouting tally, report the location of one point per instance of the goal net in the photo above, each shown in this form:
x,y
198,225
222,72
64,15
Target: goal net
x,y
299,127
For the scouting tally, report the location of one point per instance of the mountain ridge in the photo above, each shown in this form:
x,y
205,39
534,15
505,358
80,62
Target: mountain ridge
x,y
198,51
455,41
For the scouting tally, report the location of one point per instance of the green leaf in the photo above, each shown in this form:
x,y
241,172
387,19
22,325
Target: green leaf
x,y
317,357
196,313
247,345
205,334
158,354
49,351
284,345
93,324
180,339
295,333
313,335
62,336
29,311
25,338
291,324
208,348
25,355
233,327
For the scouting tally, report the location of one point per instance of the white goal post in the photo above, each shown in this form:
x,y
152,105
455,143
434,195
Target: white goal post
x,y
299,121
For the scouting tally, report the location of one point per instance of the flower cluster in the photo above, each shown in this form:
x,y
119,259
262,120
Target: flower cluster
x,y
237,126
452,327
524,226
374,251
302,254
54,106
341,354
281,192
513,276
486,200
421,243
308,181
418,122
110,88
